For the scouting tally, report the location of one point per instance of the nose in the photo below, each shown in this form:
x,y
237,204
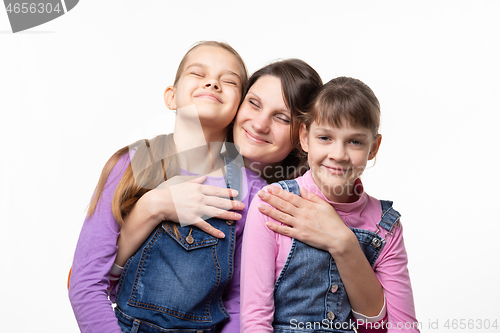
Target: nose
x,y
212,84
338,152
261,123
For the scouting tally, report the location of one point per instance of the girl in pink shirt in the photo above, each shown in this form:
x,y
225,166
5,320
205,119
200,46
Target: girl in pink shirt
x,y
287,285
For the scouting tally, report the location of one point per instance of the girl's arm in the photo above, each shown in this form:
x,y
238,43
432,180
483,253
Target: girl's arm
x,y
94,256
258,273
316,223
391,269
251,184
185,202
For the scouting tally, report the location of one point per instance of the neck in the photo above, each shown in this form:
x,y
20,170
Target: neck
x,y
338,193
269,172
199,148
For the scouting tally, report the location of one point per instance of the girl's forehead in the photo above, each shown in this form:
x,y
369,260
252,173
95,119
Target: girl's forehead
x,y
345,126
213,57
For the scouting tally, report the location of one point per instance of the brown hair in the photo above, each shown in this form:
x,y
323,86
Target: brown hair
x,y
148,168
344,99
143,174
299,82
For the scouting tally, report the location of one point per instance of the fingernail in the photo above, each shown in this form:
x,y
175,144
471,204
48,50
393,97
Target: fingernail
x,y
235,193
261,194
263,208
273,189
237,216
221,235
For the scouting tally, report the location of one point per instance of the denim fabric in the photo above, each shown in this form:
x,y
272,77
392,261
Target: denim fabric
x,y
175,284
132,325
309,294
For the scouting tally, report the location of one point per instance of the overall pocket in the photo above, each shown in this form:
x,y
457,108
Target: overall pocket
x,y
177,275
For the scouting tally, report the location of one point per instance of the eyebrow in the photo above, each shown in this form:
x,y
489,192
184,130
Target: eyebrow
x,y
354,135
359,135
253,94
197,64
258,98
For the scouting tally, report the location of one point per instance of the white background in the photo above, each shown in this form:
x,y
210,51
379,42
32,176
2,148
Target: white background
x,y
73,90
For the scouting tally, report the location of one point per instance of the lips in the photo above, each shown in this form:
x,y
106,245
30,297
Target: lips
x,y
255,138
209,96
336,170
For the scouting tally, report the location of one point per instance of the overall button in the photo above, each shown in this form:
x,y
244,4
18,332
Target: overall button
x,y
229,222
334,288
376,243
331,315
189,239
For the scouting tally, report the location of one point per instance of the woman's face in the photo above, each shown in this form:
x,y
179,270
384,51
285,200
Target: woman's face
x,y
262,125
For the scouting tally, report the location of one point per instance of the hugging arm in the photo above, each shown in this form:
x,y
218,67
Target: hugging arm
x,y
258,273
316,223
185,202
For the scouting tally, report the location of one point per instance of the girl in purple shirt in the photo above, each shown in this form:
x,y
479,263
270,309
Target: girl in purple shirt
x,y
206,93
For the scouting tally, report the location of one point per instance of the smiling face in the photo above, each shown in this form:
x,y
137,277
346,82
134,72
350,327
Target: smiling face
x,y
338,156
211,79
262,126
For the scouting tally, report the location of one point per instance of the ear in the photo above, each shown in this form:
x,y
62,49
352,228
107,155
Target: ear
x,y
375,146
169,98
303,137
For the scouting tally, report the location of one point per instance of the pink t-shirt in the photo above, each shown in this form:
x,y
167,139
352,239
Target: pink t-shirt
x,y
265,252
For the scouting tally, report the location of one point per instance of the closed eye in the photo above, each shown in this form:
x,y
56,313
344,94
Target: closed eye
x,y
282,118
254,103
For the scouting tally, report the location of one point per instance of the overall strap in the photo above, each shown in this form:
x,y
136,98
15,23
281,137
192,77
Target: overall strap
x,y
233,176
388,220
291,186
390,216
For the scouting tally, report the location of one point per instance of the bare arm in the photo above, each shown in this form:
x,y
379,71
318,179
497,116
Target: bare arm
x,y
185,202
316,223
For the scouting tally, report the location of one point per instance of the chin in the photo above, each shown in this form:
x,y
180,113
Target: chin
x,y
252,155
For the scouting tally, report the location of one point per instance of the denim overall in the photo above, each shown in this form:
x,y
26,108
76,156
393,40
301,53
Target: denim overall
x,y
176,284
309,295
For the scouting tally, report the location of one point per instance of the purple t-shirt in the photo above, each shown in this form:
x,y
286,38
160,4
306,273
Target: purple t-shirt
x,y
96,251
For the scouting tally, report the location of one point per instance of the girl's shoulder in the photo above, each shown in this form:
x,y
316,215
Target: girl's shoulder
x,y
390,217
117,169
380,216
382,207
